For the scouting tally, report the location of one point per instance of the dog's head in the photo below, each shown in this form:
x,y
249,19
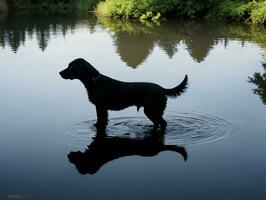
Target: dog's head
x,y
87,162
79,69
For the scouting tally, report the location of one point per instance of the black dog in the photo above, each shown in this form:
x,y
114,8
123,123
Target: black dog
x,y
109,94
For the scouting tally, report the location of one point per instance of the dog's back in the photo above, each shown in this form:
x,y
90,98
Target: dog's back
x,y
117,95
110,94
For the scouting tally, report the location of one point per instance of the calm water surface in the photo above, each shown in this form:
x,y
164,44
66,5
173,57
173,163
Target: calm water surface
x,y
219,122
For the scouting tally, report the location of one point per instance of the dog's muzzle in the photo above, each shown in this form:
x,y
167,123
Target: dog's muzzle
x,y
64,74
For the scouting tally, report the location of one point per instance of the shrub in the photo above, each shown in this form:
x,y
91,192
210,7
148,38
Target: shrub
x,y
258,14
253,11
136,8
49,5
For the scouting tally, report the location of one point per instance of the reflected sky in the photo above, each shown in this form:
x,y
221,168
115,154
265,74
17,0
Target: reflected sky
x,y
44,118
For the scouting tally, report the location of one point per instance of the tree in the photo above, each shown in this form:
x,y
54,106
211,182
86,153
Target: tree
x,y
3,6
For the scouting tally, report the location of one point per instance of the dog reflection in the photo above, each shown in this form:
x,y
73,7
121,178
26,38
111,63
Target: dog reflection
x,y
105,149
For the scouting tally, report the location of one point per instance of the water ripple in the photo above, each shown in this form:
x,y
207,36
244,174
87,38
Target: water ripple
x,y
185,128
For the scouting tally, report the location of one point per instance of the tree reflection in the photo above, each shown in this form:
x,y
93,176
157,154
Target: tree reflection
x,y
259,79
14,30
134,41
135,49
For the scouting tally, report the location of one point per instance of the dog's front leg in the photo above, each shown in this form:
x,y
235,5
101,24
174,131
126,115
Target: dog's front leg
x,y
102,118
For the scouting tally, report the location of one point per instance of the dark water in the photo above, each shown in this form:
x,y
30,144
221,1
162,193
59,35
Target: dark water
x,y
218,126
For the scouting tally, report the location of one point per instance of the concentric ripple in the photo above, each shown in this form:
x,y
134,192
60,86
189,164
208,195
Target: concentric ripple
x,y
185,128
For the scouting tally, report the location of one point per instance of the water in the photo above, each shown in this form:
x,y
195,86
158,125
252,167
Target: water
x,y
184,128
214,146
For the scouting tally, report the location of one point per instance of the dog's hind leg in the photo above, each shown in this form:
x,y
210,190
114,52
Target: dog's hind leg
x,y
156,118
154,111
163,124
149,113
102,118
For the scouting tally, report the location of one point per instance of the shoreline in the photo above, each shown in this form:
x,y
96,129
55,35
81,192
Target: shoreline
x,y
35,10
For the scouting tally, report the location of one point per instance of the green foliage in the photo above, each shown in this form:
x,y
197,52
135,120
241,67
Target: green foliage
x,y
92,4
253,11
146,9
50,6
258,15
236,10
193,8
153,10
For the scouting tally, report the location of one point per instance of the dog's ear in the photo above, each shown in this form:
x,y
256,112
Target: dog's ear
x,y
82,69
93,73
80,60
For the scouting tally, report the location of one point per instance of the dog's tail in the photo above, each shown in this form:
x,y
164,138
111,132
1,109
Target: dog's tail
x,y
178,90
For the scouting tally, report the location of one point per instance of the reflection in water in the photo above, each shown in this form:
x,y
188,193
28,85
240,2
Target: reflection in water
x,y
3,16
105,149
15,30
133,49
59,116
184,128
259,80
134,41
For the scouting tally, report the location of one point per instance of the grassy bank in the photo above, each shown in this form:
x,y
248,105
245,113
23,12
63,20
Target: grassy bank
x,y
236,10
253,11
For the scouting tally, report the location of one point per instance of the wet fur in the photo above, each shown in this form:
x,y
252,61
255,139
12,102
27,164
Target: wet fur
x,y
110,94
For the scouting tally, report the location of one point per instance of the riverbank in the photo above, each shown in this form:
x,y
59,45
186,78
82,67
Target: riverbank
x,y
249,11
45,6
234,10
